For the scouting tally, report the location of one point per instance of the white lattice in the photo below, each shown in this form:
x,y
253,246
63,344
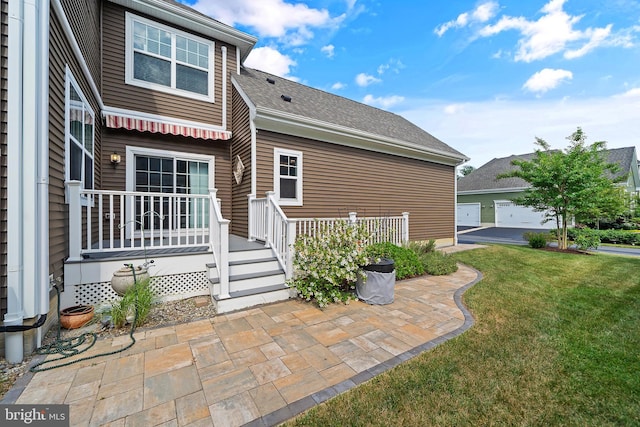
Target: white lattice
x,y
171,287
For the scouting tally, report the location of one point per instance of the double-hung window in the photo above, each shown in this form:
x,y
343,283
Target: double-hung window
x,y
79,135
287,177
162,58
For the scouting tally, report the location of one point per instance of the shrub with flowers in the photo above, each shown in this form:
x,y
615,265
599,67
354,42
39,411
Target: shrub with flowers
x,y
326,265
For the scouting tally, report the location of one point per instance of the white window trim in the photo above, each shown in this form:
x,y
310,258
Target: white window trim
x,y
130,171
277,152
131,152
129,79
69,82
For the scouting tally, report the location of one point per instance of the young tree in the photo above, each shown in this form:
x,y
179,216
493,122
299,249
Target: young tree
x,y
465,170
569,184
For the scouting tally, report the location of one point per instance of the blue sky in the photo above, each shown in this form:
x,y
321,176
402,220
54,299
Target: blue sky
x,y
485,77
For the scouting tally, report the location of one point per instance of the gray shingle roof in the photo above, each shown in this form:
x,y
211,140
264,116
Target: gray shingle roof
x,y
484,178
325,107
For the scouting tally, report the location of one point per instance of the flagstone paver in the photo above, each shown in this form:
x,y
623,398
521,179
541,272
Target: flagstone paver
x,y
262,365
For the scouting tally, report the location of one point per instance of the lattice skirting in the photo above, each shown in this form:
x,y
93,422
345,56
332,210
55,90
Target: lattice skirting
x,y
167,288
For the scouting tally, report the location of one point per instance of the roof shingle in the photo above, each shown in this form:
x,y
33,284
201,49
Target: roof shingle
x,y
332,109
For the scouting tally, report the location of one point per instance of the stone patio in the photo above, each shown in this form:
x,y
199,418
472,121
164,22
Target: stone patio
x,y
258,367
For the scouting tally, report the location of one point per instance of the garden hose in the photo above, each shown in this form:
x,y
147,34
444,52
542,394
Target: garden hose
x,y
69,347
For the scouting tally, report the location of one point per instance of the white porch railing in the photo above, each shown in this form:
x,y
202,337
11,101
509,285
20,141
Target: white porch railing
x,y
219,243
268,223
394,229
110,221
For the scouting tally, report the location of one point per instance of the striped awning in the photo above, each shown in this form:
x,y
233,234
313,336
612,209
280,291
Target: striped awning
x,y
146,125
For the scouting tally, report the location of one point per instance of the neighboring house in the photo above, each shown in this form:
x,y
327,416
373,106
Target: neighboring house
x,y
484,200
141,136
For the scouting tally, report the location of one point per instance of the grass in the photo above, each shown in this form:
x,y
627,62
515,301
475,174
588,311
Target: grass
x,y
556,342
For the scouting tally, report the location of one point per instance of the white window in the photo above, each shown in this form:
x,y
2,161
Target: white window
x,y
79,135
162,58
287,176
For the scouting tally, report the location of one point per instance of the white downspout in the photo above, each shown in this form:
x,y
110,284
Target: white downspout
x,y
14,316
224,87
43,283
455,205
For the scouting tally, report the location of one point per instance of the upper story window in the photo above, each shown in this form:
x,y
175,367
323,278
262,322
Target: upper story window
x,y
165,59
79,135
288,177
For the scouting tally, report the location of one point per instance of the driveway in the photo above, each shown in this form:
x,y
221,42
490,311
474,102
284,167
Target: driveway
x,y
513,236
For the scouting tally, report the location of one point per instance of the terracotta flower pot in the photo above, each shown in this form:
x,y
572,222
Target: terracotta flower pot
x,y
76,316
123,278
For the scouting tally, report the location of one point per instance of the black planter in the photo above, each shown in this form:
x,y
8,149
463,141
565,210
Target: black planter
x,y
380,281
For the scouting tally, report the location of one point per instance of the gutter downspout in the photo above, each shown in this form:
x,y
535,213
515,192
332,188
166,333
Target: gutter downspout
x,y
455,205
42,281
14,316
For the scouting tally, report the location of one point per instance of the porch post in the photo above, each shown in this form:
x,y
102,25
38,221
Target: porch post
x,y
269,214
353,217
251,225
224,260
291,239
75,220
405,227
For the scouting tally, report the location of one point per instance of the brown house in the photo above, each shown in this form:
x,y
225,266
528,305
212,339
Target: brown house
x,y
140,137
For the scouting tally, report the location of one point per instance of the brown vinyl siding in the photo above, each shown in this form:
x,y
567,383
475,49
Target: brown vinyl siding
x,y
118,94
61,55
241,146
4,30
338,180
84,20
116,140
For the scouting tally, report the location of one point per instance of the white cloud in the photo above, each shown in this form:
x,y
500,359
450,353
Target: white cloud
x,y
631,93
394,65
328,50
270,60
555,32
500,128
270,18
453,108
364,79
338,86
481,14
383,101
547,79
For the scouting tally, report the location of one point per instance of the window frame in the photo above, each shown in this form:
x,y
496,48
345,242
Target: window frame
x,y
130,19
132,151
277,152
69,139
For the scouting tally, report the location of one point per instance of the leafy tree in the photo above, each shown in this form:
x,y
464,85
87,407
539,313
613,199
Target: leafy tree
x,y
569,184
466,170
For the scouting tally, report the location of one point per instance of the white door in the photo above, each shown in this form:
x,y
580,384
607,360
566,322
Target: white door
x,y
510,215
469,214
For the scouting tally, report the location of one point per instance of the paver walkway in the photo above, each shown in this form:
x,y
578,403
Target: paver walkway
x,y
260,366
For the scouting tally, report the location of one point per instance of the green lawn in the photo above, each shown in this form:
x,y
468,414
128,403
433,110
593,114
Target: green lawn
x,y
556,342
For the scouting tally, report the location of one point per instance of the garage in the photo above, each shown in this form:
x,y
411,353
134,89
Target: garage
x,y
510,215
469,214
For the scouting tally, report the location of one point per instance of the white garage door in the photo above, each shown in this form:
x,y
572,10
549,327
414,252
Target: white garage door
x,y
510,215
469,214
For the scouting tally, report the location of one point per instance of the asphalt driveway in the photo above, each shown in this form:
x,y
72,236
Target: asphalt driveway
x,y
513,236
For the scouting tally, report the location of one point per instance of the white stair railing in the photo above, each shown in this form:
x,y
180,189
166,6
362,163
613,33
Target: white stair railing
x,y
219,231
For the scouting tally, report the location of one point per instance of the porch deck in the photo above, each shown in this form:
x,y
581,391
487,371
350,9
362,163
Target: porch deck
x,y
236,243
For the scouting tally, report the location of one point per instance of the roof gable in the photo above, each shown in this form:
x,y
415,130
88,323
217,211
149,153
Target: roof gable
x,y
316,107
484,178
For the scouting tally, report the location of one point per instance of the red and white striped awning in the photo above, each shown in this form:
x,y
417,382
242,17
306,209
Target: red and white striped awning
x,y
146,125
